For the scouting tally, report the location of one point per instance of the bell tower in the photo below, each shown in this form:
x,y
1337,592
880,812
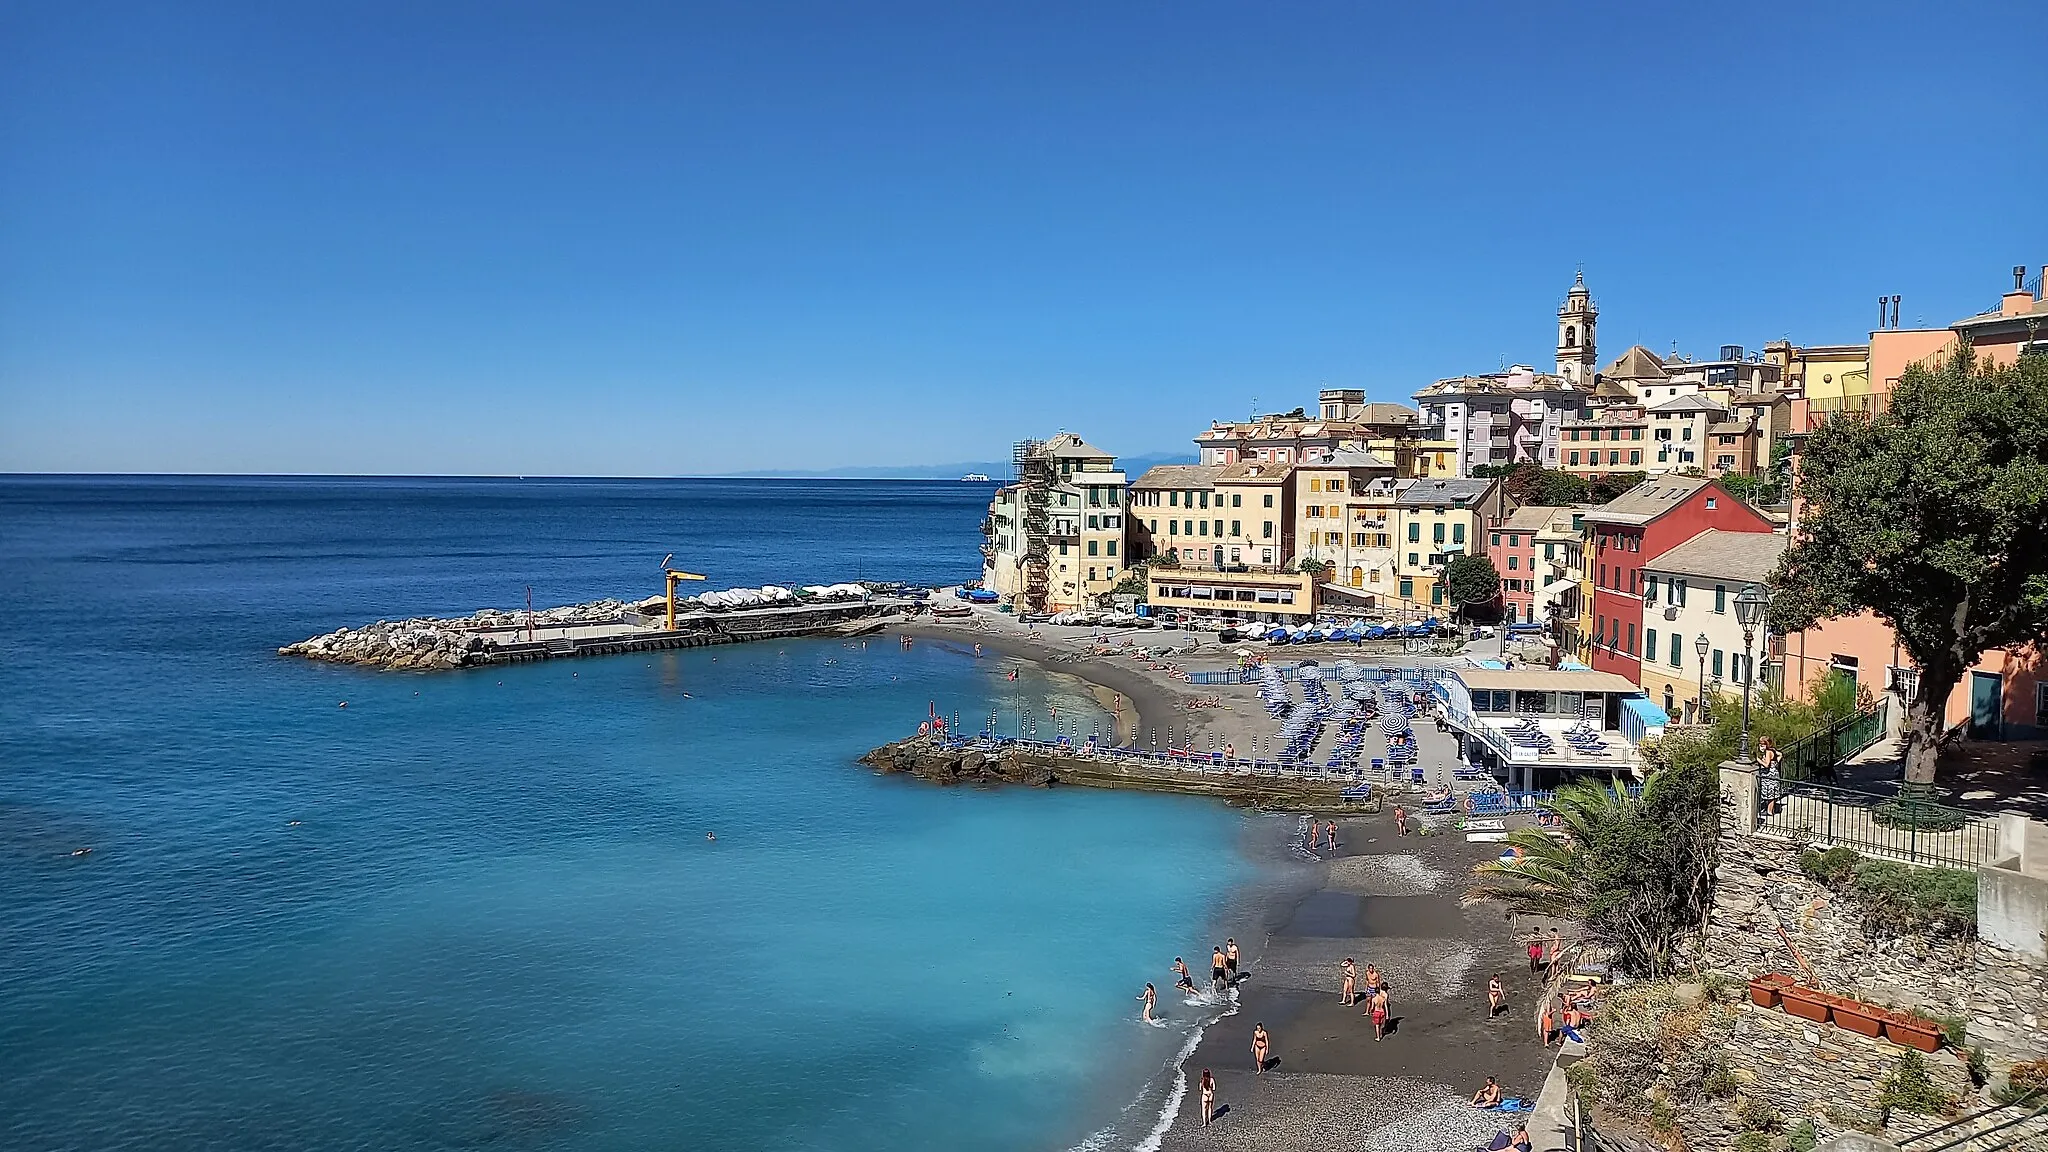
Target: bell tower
x,y
1576,359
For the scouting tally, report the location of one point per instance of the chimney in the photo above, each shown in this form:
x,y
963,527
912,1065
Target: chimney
x,y
1895,310
1880,311
2019,277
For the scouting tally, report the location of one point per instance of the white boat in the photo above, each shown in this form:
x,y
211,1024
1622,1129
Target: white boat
x,y
974,477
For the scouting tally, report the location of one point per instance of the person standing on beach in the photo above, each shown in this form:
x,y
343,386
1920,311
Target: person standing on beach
x,y
1216,968
1230,960
1496,998
1400,820
1208,1097
1535,954
1350,971
1261,1044
1379,1015
1556,949
1332,826
1372,979
1150,996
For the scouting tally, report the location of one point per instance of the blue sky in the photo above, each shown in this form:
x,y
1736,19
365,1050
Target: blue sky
x,y
672,239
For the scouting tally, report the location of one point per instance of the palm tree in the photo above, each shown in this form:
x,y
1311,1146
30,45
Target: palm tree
x,y
1547,876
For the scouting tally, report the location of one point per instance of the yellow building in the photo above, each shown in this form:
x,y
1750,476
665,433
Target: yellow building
x,y
1255,498
1436,521
1175,508
1284,597
1344,517
1417,459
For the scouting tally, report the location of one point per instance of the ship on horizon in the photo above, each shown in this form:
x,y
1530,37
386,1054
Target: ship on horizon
x,y
972,477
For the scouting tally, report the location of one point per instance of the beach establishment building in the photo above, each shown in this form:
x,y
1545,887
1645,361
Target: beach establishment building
x,y
1634,529
1689,593
1514,720
1261,596
1072,546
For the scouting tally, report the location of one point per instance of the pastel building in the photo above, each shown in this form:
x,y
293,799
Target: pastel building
x,y
1057,534
1688,594
1436,521
1536,549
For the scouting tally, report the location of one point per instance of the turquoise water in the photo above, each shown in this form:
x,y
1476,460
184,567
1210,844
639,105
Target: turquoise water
x,y
481,909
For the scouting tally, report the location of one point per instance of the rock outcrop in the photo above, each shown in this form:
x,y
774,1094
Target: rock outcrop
x,y
930,760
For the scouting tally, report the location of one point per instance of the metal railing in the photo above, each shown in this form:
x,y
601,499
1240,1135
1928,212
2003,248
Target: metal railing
x,y
1908,830
1817,755
1375,674
2009,1125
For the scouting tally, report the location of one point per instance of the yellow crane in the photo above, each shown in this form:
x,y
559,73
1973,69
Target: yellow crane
x,y
674,578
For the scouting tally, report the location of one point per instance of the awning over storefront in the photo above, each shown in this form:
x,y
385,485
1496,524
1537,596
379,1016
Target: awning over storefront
x,y
1556,588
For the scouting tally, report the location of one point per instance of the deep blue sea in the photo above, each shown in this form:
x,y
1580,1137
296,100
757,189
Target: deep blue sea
x,y
480,909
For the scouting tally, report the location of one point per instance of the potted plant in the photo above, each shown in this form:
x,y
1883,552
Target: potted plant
x,y
1805,1003
1764,990
1860,1018
1909,1031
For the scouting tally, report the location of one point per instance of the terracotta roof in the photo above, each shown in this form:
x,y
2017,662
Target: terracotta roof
x,y
1638,363
1165,476
1730,428
1530,518
1254,472
1067,446
1744,556
1649,500
1694,402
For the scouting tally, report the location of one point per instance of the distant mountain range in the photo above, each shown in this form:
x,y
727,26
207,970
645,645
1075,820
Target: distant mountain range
x,y
1133,466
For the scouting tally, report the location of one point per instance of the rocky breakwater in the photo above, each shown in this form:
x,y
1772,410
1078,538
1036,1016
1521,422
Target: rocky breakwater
x,y
930,760
433,643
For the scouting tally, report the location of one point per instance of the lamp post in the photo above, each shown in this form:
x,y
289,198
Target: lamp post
x,y
1699,704
1750,605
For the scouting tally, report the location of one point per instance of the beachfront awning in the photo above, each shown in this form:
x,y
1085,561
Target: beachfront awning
x,y
1556,588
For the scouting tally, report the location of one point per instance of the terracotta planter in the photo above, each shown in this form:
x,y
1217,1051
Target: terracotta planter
x,y
1912,1034
1805,1004
1862,1019
1764,990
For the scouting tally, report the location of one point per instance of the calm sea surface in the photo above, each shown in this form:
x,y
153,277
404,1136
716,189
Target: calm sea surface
x,y
479,909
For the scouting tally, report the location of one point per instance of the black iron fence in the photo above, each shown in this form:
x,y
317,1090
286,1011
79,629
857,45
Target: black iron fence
x,y
1905,828
1818,755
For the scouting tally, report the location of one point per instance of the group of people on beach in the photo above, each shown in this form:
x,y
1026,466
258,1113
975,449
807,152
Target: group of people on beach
x,y
1374,997
1222,977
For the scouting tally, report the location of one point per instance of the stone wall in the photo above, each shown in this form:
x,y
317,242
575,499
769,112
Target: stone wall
x,y
1816,1072
1760,892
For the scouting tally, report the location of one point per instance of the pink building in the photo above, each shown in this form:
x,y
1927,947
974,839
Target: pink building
x,y
1512,544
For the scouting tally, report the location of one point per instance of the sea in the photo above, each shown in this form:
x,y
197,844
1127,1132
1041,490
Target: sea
x,y
641,901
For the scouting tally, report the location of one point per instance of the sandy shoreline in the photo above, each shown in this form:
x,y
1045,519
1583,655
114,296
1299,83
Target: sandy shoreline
x,y
1379,898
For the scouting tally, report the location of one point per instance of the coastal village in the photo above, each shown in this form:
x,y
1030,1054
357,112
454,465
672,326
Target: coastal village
x,y
1534,613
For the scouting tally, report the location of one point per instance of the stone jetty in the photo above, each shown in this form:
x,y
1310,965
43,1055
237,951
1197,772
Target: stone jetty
x,y
432,642
597,628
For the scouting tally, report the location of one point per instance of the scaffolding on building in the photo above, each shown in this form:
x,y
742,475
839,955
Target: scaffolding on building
x,y
1035,480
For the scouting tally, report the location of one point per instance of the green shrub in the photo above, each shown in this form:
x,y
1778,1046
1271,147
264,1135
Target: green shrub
x,y
1834,867
1803,1138
1898,900
2024,1081
1719,1085
1753,1142
1910,1089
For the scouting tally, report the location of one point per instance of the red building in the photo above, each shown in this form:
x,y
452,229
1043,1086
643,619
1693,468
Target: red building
x,y
1635,528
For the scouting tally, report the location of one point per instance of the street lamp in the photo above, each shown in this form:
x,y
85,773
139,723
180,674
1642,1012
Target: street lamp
x,y
1750,605
1700,702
